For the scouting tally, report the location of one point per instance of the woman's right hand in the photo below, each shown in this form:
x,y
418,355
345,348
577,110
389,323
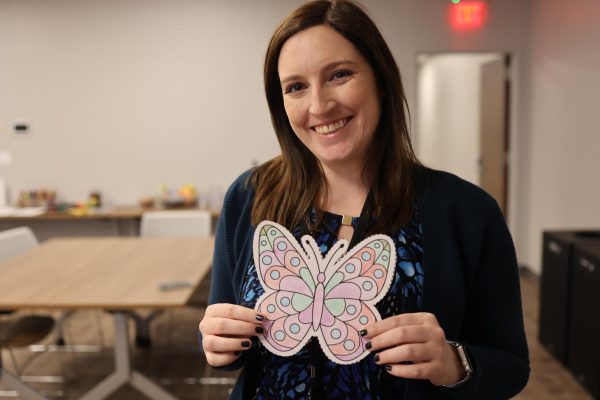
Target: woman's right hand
x,y
226,330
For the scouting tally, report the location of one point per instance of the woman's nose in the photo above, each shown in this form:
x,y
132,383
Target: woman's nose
x,y
321,102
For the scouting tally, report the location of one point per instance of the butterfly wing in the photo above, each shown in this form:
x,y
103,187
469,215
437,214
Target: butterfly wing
x,y
287,273
355,283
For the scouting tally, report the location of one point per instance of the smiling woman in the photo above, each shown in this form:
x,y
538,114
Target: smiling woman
x,y
450,325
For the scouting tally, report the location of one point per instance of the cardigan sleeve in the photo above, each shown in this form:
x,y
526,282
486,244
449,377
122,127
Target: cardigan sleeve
x,y
229,258
492,330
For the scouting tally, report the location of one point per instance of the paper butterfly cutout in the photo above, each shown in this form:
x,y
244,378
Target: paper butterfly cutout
x,y
331,297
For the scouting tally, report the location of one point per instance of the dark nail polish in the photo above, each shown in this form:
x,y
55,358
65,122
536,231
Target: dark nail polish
x,y
368,345
363,332
246,343
388,367
259,329
237,353
376,358
260,318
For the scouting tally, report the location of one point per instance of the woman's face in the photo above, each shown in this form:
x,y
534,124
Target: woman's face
x,y
330,96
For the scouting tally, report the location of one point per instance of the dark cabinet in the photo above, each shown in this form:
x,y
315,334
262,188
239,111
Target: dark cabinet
x,y
584,327
555,288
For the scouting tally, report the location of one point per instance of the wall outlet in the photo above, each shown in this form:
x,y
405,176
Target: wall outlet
x,y
21,129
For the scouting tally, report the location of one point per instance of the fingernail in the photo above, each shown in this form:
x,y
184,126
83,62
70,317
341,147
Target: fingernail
x,y
246,343
259,329
363,332
237,353
388,367
368,345
260,318
376,358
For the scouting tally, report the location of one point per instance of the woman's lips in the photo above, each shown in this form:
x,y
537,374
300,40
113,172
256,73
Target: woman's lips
x,y
328,129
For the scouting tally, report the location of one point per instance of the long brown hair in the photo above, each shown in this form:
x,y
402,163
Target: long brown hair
x,y
288,185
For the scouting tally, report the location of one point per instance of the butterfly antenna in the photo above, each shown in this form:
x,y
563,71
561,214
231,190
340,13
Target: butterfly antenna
x,y
308,246
334,256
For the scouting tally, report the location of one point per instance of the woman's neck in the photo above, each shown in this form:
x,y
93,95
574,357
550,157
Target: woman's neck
x,y
346,190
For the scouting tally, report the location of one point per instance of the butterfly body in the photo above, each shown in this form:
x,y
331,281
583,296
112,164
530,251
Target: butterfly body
x,y
331,297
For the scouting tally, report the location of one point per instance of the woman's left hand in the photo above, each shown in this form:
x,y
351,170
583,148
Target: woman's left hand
x,y
414,346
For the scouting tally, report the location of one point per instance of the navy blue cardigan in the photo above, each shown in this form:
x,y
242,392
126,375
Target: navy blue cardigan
x,y
471,281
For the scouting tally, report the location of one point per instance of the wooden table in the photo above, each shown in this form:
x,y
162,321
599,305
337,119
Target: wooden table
x,y
115,274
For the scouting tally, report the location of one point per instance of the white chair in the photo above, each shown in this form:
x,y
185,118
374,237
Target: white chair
x,y
21,330
183,223
172,223
16,241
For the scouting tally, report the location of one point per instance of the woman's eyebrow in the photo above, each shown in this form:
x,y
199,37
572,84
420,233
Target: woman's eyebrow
x,y
327,67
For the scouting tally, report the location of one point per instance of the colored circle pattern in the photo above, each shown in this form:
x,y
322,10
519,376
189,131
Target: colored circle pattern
x,y
294,328
279,335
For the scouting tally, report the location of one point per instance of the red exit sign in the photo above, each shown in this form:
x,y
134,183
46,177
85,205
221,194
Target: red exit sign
x,y
468,14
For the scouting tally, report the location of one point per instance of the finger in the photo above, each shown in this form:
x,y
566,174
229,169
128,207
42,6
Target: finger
x,y
410,371
226,326
223,344
397,321
407,353
220,359
233,311
401,335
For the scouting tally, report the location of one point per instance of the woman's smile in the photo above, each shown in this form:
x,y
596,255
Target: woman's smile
x,y
332,127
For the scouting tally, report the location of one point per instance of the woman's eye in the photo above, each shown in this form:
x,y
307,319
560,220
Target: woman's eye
x,y
341,75
294,87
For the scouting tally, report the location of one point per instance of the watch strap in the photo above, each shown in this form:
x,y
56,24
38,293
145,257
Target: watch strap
x,y
464,361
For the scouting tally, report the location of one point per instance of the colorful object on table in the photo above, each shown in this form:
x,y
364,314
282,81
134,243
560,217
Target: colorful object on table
x,y
186,196
37,198
331,297
95,200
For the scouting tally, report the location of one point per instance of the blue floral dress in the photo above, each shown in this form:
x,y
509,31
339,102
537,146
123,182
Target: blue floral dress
x,y
289,377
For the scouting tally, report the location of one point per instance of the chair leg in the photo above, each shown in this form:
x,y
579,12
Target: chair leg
x,y
14,362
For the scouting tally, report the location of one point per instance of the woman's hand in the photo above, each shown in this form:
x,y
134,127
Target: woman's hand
x,y
226,330
414,346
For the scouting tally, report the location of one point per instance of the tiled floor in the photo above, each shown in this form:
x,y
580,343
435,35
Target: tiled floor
x,y
175,357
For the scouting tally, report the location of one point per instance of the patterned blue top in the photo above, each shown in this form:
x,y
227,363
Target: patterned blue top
x,y
289,377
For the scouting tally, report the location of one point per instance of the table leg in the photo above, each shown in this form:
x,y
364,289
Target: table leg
x,y
123,373
24,391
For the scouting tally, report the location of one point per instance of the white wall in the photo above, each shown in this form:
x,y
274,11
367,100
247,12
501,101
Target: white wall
x,y
124,95
565,122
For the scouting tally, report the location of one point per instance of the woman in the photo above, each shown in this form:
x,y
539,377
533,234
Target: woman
x,y
451,323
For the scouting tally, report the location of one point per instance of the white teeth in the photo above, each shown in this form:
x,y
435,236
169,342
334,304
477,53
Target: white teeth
x,y
331,128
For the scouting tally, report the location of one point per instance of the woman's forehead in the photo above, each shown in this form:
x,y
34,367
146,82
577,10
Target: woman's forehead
x,y
314,49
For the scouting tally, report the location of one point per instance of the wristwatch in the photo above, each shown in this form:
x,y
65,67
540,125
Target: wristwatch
x,y
464,361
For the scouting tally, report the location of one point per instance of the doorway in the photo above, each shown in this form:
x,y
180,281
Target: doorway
x,y
462,117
